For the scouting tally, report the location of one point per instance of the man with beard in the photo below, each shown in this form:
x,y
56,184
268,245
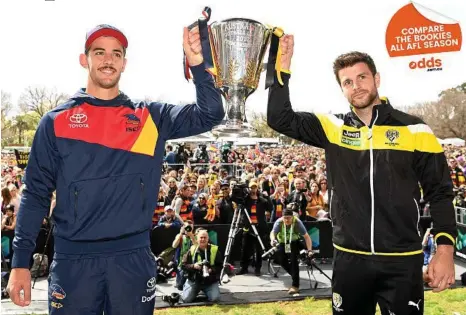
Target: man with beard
x,y
376,156
103,153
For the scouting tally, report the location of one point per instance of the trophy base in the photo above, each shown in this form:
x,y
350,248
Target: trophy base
x,y
233,130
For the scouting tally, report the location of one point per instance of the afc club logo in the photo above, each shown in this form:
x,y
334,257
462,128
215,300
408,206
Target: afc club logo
x,y
133,123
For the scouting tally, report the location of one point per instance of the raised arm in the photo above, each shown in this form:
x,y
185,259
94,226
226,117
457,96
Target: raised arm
x,y
177,121
306,127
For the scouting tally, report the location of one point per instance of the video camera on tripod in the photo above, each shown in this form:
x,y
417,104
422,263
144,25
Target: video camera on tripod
x,y
239,193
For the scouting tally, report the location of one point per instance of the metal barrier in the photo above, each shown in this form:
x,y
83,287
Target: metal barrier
x,y
235,169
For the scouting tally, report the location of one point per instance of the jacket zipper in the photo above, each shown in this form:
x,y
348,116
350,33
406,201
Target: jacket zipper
x,y
418,216
142,194
75,204
330,206
371,182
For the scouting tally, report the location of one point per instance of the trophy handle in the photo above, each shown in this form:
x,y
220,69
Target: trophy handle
x,y
273,64
206,45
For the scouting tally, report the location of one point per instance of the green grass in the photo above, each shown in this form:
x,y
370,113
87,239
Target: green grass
x,y
444,303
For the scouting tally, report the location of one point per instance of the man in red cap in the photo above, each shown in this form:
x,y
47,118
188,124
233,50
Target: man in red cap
x,y
102,154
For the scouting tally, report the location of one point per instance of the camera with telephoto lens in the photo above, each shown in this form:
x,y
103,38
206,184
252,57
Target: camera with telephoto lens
x,y
164,271
188,228
305,258
239,193
268,254
171,299
205,268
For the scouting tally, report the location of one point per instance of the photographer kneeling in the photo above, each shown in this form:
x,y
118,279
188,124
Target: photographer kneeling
x,y
203,265
286,234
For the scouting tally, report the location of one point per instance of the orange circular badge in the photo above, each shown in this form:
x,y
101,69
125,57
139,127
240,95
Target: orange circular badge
x,y
411,33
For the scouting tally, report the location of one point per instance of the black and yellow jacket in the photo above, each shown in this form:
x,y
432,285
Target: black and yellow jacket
x,y
374,174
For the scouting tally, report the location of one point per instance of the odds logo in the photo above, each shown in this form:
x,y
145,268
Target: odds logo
x,y
431,64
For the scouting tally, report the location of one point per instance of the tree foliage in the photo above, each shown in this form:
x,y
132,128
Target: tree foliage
x,y
446,116
40,100
259,123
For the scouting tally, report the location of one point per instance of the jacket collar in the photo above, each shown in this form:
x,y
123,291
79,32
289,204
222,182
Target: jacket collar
x,y
381,111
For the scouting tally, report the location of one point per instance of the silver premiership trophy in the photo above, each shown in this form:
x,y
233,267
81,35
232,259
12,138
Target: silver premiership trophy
x,y
238,49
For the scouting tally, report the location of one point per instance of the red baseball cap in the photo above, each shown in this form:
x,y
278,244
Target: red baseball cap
x,y
105,30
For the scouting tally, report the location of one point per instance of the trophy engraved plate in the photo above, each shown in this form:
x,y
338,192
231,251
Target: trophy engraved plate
x,y
238,47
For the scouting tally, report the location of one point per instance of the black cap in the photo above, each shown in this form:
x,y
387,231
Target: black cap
x,y
10,207
288,212
224,183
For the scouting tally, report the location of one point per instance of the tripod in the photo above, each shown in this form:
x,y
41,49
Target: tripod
x,y
310,265
234,229
43,254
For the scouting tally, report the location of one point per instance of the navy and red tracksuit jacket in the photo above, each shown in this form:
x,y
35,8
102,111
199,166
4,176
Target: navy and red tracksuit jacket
x,y
104,159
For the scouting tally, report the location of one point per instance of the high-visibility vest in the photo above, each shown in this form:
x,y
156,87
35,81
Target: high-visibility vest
x,y
294,233
213,253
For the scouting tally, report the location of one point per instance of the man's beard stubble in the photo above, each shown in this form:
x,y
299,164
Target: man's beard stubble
x,y
368,101
106,85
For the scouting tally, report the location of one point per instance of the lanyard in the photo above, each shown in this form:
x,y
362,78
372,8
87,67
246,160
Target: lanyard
x,y
291,231
195,253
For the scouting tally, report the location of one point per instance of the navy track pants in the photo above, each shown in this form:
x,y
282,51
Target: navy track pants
x,y
120,283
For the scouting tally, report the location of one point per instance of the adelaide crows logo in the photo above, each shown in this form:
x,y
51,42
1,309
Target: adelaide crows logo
x,y
133,123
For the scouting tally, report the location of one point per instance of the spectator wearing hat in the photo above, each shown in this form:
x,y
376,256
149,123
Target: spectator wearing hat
x,y
287,232
170,219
